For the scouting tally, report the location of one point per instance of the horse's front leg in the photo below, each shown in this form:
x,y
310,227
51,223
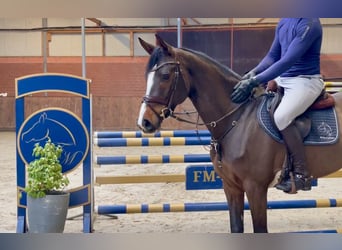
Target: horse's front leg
x,y
257,200
235,199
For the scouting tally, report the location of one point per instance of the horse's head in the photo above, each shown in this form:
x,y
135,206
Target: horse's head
x,y
38,132
166,87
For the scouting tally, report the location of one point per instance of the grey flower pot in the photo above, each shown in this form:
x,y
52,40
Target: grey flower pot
x,y
47,214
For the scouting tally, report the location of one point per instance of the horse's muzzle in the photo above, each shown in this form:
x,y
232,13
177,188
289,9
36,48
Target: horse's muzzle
x,y
146,126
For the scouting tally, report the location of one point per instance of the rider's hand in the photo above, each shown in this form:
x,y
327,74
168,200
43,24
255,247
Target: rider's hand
x,y
243,89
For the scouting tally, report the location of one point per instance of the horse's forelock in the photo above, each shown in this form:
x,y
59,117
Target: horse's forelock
x,y
154,59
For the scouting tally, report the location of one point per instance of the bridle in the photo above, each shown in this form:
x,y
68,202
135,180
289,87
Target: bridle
x,y
168,111
167,101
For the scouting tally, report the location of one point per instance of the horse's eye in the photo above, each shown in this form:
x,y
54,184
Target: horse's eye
x,y
165,76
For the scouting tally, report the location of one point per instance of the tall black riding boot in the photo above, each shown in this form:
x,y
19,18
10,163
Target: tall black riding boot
x,y
301,179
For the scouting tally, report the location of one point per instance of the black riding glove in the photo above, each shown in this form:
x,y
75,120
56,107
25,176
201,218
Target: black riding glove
x,y
243,89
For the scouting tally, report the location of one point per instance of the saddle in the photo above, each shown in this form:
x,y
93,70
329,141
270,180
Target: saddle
x,y
303,123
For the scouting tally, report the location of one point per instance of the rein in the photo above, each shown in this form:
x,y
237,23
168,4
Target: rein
x,y
212,124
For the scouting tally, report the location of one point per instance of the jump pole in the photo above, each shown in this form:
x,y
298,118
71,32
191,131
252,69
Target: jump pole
x,y
140,134
212,206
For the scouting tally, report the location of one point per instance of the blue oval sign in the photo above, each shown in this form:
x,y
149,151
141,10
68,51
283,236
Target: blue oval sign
x,y
62,127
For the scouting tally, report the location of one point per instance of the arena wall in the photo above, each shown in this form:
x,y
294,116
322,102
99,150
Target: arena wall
x,y
117,87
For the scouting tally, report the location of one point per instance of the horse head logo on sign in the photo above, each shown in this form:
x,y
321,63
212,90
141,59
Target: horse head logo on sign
x,y
62,127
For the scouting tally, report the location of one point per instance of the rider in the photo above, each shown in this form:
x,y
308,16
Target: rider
x,y
294,62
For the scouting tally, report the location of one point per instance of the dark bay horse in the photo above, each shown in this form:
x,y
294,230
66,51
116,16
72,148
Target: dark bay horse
x,y
244,156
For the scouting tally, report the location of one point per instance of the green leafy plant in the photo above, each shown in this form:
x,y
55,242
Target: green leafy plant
x,y
45,172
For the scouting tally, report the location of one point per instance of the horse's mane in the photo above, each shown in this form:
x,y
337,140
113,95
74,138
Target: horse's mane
x,y
223,68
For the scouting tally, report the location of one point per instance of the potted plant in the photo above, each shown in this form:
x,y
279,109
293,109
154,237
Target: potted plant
x,y
47,202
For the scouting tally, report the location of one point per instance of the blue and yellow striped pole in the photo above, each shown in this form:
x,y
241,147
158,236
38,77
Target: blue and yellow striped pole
x,y
212,206
333,86
139,134
143,142
147,159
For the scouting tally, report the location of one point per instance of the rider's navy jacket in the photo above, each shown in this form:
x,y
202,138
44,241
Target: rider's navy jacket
x,y
295,50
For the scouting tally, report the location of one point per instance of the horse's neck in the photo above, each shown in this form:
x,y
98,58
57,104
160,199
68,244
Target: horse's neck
x,y
212,97
210,86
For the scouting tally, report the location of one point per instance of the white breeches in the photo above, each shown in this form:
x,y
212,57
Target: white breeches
x,y
299,93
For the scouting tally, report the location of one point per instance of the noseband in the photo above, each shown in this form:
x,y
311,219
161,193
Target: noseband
x,y
167,101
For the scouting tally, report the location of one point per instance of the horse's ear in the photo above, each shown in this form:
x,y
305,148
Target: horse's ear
x,y
148,47
42,118
164,45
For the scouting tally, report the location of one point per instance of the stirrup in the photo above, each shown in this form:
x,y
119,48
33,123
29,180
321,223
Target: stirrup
x,y
294,183
302,183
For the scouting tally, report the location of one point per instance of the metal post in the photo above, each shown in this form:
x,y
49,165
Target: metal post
x,y
232,43
179,33
83,48
44,24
